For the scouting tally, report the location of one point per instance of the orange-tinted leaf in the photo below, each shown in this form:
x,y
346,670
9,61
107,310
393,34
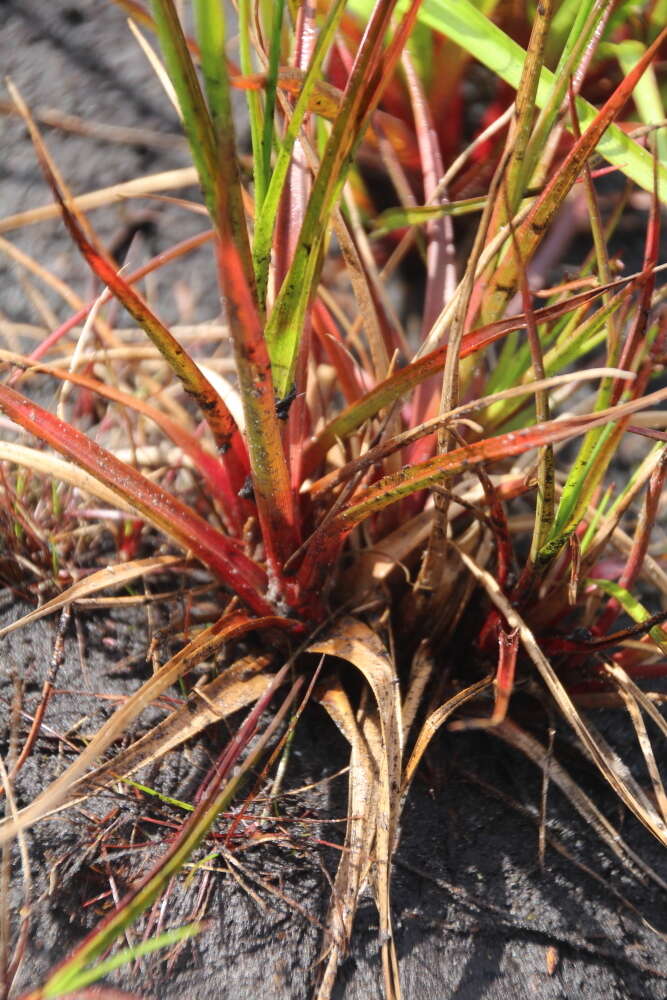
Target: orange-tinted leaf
x,y
530,233
212,469
213,407
170,515
325,542
401,382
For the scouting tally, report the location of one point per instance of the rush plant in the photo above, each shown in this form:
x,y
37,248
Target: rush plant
x,y
350,478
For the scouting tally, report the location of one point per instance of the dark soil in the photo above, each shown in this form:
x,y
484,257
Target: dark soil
x,y
474,915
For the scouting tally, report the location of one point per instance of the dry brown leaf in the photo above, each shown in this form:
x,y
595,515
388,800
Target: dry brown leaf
x,y
510,733
647,750
433,723
643,810
230,627
167,180
111,576
50,465
421,671
375,565
241,684
353,641
157,67
363,794
29,264
642,697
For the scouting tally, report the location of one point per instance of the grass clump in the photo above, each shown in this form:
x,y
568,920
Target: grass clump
x,y
341,483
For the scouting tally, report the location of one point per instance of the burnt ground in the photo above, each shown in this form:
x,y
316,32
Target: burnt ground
x,y
474,915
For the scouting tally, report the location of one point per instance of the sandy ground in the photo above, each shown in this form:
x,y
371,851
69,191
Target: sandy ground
x,y
474,916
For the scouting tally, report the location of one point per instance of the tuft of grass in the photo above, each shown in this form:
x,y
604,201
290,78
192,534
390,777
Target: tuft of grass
x,y
343,485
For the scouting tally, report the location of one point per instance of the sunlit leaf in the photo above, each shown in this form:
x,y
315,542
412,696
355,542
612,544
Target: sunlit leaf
x,y
465,24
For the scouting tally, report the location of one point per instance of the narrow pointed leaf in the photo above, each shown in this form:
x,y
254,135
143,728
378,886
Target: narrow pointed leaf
x,y
226,196
400,383
212,469
286,321
111,576
531,231
226,629
306,98
466,24
213,146
392,488
633,608
353,641
213,408
151,501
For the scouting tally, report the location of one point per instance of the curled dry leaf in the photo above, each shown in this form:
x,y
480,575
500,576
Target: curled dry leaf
x,y
231,626
110,576
607,766
434,722
241,684
363,797
353,641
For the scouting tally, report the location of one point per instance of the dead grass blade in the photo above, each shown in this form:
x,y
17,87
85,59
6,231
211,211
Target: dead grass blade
x,y
421,671
228,628
111,576
28,263
241,684
646,749
512,734
353,641
607,766
432,725
157,67
26,873
622,679
124,135
166,180
635,698
363,797
50,465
